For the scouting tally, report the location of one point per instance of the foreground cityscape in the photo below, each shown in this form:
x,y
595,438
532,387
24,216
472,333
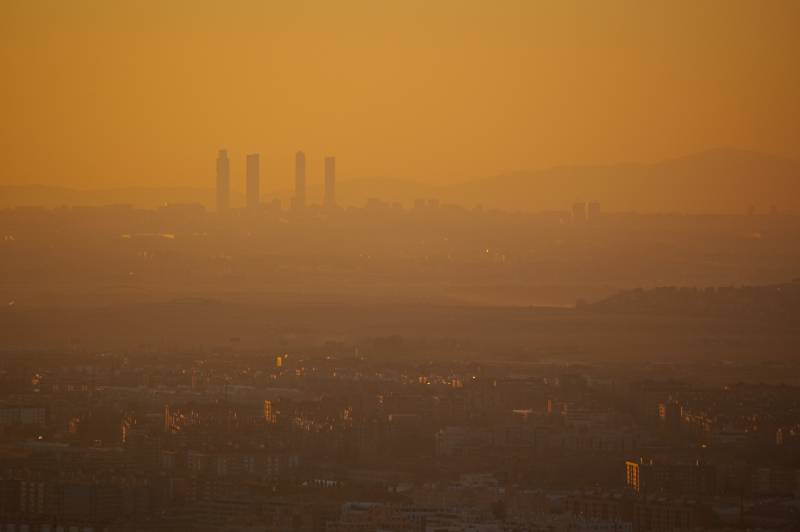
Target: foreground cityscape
x,y
371,437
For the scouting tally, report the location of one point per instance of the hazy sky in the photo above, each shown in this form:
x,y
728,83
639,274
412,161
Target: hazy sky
x,y
116,93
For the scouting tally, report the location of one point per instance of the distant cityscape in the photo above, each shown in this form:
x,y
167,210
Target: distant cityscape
x,y
581,211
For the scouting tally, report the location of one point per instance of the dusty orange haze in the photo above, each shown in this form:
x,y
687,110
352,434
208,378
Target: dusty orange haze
x,y
120,93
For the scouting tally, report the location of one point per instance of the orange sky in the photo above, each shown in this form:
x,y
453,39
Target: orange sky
x,y
100,93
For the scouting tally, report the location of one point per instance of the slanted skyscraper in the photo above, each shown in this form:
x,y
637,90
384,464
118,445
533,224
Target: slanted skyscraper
x,y
223,181
299,180
330,181
579,212
593,212
253,181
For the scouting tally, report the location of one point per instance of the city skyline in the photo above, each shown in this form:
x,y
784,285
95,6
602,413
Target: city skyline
x,y
713,182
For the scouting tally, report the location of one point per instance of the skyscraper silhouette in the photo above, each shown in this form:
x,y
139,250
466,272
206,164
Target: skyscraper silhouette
x,y
330,181
579,212
299,180
593,211
223,181
253,180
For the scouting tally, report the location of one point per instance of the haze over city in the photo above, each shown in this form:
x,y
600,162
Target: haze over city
x,y
400,266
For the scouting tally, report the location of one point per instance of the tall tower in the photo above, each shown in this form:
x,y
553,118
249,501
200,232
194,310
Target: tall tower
x,y
223,181
330,181
593,212
579,212
299,180
253,181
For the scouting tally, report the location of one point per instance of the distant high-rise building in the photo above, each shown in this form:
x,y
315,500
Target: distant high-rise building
x,y
269,412
330,181
579,212
299,180
594,210
223,181
253,180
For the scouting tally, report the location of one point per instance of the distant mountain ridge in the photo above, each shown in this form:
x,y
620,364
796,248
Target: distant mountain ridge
x,y
714,181
719,181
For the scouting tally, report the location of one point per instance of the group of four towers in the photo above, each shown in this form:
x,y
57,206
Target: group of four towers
x,y
253,181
